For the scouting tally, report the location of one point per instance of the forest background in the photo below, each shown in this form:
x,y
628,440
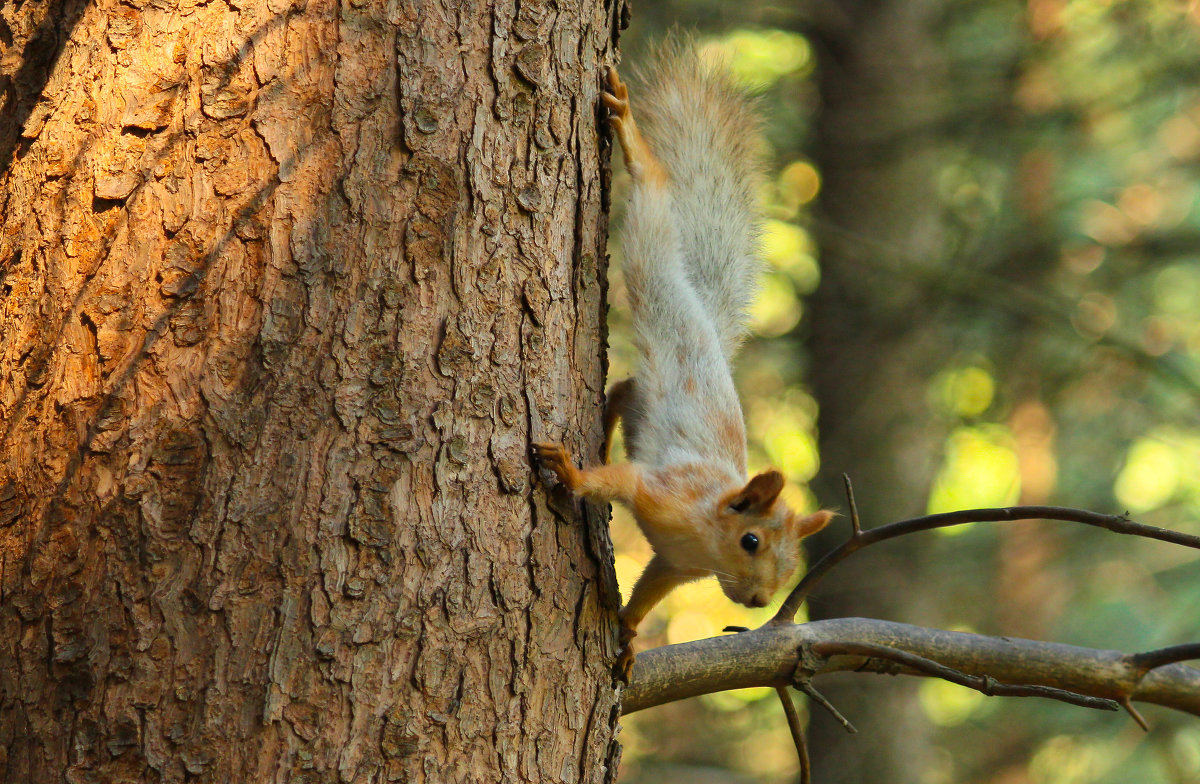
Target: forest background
x,y
983,290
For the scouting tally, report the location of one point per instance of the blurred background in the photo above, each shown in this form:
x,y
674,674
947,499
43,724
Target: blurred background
x,y
984,289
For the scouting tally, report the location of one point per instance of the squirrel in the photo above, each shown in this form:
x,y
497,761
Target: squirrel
x,y
691,270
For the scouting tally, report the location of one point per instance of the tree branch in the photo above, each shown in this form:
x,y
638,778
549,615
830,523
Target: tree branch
x,y
1150,660
794,726
985,684
768,657
860,539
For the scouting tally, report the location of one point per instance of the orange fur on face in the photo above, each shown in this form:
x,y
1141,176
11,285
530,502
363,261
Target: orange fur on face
x,y
753,577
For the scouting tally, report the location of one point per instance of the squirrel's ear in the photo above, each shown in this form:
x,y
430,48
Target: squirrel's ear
x,y
807,525
759,493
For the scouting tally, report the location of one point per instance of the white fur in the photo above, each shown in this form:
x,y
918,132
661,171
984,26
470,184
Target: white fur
x,y
692,262
680,346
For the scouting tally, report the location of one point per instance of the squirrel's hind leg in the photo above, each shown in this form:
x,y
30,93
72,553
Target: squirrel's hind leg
x,y
642,164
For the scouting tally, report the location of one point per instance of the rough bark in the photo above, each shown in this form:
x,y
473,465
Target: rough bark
x,y
286,290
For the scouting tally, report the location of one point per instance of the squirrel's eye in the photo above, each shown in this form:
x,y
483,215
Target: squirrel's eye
x,y
750,543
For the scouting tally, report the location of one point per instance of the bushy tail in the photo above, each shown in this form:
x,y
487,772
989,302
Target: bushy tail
x,y
704,128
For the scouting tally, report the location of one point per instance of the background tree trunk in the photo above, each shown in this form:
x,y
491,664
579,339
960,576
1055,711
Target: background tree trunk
x,y
877,341
283,297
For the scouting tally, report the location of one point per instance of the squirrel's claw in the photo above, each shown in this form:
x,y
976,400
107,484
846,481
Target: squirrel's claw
x,y
618,106
619,90
551,456
616,98
639,160
556,459
623,667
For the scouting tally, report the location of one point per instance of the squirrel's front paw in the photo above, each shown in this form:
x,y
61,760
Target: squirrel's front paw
x,y
555,458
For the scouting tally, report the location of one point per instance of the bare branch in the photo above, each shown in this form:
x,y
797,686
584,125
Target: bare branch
x,y
860,539
805,685
985,684
793,720
768,657
1134,714
1150,660
855,523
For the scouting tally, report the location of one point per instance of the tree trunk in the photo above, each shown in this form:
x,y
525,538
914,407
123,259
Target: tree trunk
x,y
286,290
876,344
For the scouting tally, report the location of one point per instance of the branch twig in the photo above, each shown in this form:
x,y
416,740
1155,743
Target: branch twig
x,y
1127,704
793,721
859,539
855,523
1150,660
985,684
805,685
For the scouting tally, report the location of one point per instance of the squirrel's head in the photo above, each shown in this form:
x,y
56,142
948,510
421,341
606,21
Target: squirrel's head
x,y
762,536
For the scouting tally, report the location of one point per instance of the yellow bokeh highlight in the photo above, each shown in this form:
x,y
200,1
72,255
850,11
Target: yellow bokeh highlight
x,y
948,704
793,408
1177,290
1106,224
794,452
1159,468
1095,315
689,625
789,249
785,427
799,183
762,57
965,392
1150,477
730,701
777,309
980,470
